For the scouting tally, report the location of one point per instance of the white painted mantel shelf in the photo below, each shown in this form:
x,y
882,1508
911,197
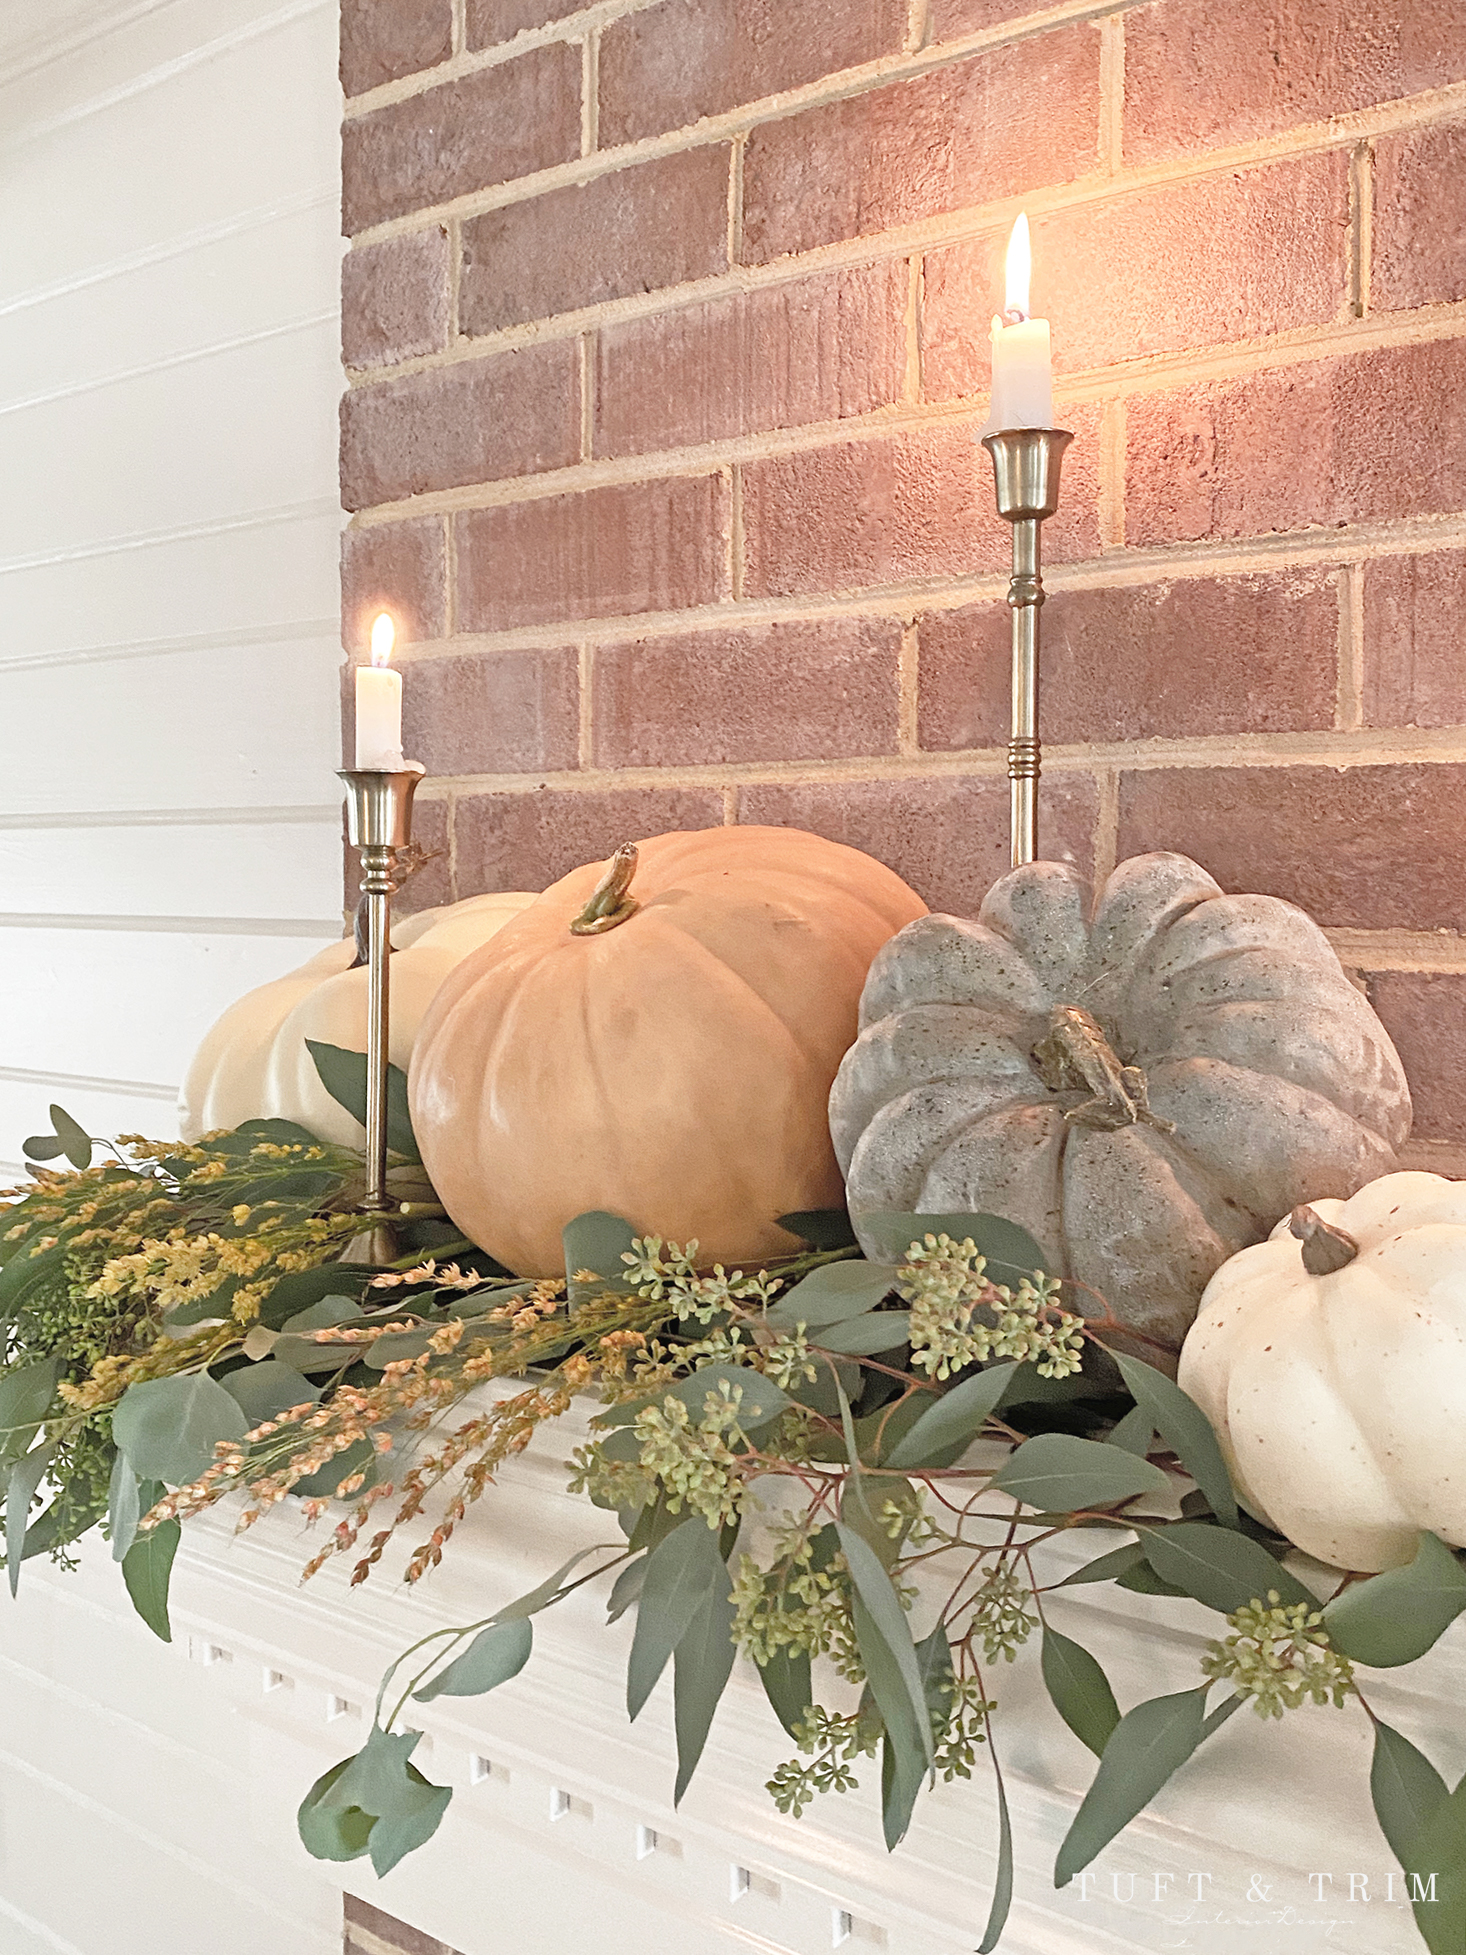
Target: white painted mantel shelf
x,y
181,1767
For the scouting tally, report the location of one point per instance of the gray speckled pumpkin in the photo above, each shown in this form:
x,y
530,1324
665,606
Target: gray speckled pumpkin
x,y
1145,1089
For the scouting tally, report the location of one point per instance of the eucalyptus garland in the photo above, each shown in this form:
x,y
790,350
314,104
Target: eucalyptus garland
x,y
179,1326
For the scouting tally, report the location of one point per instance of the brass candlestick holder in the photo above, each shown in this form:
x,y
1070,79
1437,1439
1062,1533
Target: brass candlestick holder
x,y
378,824
1026,465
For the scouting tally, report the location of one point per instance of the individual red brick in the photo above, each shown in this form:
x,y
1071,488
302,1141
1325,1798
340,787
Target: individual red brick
x,y
801,691
388,1932
1336,441
1198,75
1372,848
864,513
1201,656
609,553
384,39
947,19
493,21
493,712
516,414
673,64
396,567
433,882
1203,263
1419,249
947,836
637,230
394,299
910,505
1414,674
819,349
982,129
1424,1012
525,841
504,122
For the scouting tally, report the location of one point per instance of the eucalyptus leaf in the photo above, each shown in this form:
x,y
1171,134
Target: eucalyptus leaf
x,y
863,1337
40,1147
886,1648
595,1242
761,1399
168,1427
1057,1472
786,1681
701,1666
344,1076
1186,1430
1406,1789
496,1654
682,1571
1134,1433
1142,1579
831,1294
626,1589
821,1228
147,1567
332,1832
263,1391
1011,1253
1002,1899
124,1509
21,1273
1395,1617
957,1417
1224,1570
1108,1567
1435,1874
395,1346
76,1142
1144,1749
381,1784
899,1786
25,1478
298,1292
1079,1690
25,1399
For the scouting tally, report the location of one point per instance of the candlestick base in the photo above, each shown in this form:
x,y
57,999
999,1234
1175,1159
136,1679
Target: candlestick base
x,y
1026,464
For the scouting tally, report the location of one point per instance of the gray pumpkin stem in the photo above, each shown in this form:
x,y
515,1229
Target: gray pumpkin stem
x,y
1325,1248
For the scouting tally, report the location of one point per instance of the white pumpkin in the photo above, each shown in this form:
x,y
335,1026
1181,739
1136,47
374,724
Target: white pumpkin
x,y
1339,1397
253,1062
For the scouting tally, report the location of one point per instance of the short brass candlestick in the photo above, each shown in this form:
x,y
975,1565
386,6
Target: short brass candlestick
x,y
1026,476
378,824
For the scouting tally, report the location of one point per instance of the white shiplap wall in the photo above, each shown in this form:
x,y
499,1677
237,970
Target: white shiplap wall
x,y
169,370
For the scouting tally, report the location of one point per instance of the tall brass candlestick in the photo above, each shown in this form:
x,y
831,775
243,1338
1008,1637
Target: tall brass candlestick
x,y
1026,465
378,823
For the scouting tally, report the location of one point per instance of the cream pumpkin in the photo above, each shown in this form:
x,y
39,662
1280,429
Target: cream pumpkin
x,y
1144,1083
253,1062
673,1065
1332,1363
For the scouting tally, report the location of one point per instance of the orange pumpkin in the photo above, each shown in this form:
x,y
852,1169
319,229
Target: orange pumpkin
x,y
665,1053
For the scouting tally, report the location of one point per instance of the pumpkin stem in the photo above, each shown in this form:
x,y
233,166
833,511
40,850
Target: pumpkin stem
x,y
1325,1248
610,903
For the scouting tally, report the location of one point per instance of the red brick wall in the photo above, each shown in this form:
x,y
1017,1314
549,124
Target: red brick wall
x,y
666,327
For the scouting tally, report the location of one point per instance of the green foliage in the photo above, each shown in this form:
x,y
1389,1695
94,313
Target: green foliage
x,y
1224,1570
147,1567
1185,1428
68,1137
1396,1617
1144,1749
1057,1472
496,1654
376,1803
169,1427
344,1076
1407,1791
1079,1689
682,1574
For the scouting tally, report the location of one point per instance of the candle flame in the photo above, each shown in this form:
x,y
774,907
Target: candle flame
x,y
384,637
1018,271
